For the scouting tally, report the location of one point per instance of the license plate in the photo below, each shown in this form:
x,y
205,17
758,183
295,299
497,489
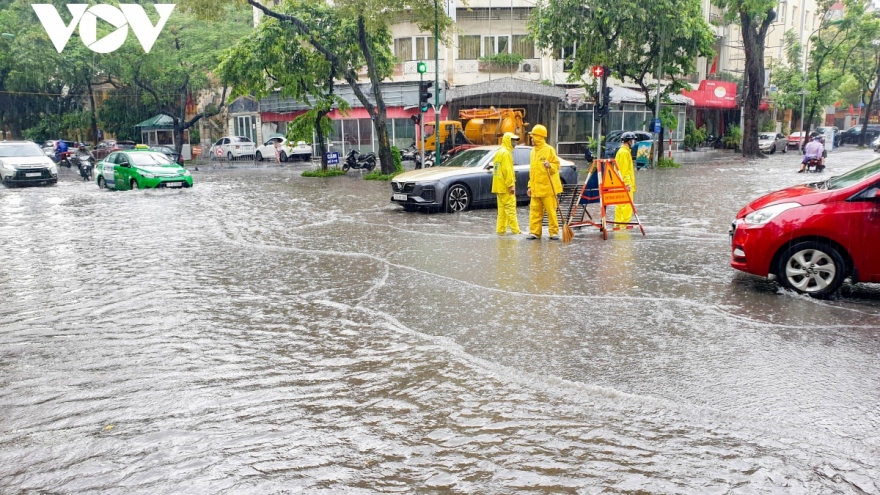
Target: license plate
x,y
173,184
33,174
400,197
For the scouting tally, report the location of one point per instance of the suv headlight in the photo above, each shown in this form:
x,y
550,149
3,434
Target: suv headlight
x,y
764,215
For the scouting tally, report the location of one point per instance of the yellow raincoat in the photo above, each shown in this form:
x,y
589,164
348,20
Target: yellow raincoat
x,y
543,188
504,186
624,213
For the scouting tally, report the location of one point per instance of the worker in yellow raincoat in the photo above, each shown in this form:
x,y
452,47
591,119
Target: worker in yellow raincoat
x,y
504,186
544,185
623,213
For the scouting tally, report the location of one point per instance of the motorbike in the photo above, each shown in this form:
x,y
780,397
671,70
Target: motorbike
x,y
64,159
409,153
85,167
356,160
813,165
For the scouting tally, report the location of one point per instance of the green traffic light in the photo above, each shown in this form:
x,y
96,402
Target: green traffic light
x,y
422,67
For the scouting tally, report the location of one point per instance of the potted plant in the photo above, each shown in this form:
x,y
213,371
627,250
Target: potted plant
x,y
732,137
500,62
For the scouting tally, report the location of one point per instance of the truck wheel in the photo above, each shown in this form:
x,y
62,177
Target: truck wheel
x,y
811,268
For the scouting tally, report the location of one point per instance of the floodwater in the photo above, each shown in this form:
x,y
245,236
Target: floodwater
x,y
268,333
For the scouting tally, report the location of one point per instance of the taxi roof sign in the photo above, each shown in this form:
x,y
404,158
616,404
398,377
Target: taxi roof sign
x,y
141,147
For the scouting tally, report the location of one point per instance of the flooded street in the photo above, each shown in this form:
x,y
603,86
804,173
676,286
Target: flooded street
x,y
268,333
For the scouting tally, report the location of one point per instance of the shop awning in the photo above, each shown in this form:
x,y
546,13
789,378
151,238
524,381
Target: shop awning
x,y
713,94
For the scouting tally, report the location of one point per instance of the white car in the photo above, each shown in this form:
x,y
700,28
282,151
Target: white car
x,y
232,148
267,151
771,142
23,162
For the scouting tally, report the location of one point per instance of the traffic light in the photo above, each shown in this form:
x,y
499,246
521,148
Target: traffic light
x,y
598,112
598,71
417,119
422,67
424,95
606,97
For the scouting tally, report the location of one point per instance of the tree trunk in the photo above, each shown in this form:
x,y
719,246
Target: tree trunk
x,y
93,112
378,113
322,145
753,44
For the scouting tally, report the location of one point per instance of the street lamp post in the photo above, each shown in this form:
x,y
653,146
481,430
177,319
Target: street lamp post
x,y
437,84
804,89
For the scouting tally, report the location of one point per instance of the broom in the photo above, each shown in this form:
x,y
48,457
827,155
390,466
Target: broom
x,y
567,233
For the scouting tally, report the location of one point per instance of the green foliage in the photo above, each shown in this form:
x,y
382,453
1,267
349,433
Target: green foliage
x,y
330,172
732,137
626,36
664,162
503,59
693,136
398,168
593,144
668,119
123,110
768,125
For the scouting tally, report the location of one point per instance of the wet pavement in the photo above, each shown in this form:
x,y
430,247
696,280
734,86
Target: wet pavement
x,y
269,333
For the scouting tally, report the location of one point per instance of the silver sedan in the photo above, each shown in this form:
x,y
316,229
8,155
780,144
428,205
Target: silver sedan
x,y
770,142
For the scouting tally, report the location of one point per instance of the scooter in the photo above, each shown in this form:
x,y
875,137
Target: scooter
x,y
410,153
85,167
356,160
64,159
814,165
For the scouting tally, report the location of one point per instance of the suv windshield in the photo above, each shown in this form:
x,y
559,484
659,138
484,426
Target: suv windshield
x,y
467,158
20,150
853,176
150,160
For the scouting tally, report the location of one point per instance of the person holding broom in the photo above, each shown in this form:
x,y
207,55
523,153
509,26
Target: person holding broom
x,y
504,186
544,185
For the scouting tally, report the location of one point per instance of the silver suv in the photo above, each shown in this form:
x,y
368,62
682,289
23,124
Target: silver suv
x,y
24,163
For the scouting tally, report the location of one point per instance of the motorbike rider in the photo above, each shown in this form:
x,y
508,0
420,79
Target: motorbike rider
x,y
60,147
82,151
814,151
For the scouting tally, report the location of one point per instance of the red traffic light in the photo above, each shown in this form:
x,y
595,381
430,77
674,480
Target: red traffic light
x,y
598,71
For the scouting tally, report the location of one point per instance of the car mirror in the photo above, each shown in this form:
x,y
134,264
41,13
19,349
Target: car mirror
x,y
877,193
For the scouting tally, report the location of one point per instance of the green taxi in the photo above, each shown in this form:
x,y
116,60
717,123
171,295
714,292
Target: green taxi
x,y
140,168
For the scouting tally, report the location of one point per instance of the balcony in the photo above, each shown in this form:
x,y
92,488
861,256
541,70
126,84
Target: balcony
x,y
409,67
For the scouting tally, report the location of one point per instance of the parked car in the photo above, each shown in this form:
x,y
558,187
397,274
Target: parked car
x,y
851,135
24,163
301,151
794,140
838,136
232,147
876,144
613,143
465,181
140,169
167,151
108,146
813,236
770,142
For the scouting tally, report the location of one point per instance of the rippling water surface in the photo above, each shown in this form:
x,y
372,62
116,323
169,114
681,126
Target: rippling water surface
x,y
268,333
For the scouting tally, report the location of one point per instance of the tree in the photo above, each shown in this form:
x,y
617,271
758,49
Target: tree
x,y
179,64
369,47
276,57
632,38
755,18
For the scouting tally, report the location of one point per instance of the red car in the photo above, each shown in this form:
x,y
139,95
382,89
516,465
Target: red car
x,y
811,237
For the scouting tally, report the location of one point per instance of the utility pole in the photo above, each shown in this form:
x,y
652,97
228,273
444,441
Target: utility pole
x,y
422,67
655,155
437,84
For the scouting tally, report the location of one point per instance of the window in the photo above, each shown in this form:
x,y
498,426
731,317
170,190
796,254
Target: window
x,y
403,49
404,132
780,10
493,45
425,48
566,54
468,47
523,45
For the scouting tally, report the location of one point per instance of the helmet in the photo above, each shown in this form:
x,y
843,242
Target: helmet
x,y
82,145
539,130
817,138
627,136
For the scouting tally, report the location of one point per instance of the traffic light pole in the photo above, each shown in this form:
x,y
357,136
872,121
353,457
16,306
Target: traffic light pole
x,y
421,130
436,85
603,119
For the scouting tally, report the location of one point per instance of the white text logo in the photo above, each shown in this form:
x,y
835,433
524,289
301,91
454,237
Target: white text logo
x,y
86,17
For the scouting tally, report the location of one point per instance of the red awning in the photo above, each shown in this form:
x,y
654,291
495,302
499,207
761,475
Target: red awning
x,y
713,94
